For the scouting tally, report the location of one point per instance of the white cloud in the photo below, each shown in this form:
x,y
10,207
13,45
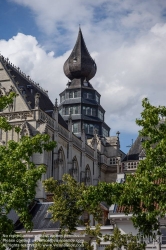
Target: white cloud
x,y
126,38
25,52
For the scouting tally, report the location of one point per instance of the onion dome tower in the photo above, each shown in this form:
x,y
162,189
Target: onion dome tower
x,y
80,64
80,99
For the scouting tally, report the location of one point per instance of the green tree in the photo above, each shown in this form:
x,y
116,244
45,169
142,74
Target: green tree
x,y
71,199
66,195
142,193
127,241
18,174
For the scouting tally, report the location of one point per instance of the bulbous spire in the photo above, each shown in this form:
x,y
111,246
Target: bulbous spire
x,y
80,64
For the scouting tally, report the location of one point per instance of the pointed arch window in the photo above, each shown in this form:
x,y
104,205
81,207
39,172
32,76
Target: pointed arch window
x,y
74,170
61,163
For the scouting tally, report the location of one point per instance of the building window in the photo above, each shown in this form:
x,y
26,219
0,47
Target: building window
x,y
71,110
89,111
89,128
66,110
86,84
105,132
113,161
73,94
75,110
75,128
62,98
100,115
88,95
97,98
132,165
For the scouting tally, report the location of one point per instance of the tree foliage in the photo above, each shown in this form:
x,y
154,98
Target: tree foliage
x,y
18,174
66,196
127,241
144,191
142,194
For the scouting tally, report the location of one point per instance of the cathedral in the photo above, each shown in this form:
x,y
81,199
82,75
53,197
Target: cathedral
x,y
84,149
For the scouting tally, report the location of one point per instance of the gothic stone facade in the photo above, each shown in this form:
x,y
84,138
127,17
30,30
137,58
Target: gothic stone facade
x,y
89,161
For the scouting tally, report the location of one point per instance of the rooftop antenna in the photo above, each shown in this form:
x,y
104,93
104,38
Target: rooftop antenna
x,y
129,146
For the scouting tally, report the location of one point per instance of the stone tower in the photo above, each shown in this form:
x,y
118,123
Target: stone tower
x,y
80,99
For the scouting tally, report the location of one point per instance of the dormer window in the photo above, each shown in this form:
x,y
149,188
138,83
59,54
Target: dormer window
x,y
74,59
86,84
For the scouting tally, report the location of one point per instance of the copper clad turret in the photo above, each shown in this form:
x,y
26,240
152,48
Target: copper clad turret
x,y
80,64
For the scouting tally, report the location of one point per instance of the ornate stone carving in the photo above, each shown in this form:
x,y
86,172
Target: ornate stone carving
x,y
37,99
18,115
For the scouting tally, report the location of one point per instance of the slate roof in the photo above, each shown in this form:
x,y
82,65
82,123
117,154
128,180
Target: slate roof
x,y
62,122
135,150
80,64
12,216
41,218
21,81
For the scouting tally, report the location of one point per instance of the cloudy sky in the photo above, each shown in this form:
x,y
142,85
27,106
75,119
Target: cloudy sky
x,y
127,39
